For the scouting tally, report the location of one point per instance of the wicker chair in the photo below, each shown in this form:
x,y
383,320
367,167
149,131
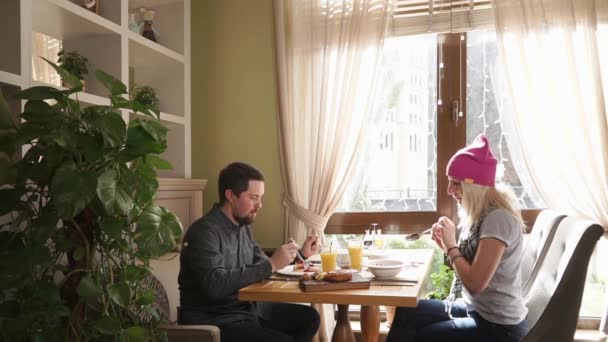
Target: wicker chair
x,y
178,333
555,295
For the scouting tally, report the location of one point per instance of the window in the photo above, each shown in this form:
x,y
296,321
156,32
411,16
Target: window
x,y
442,89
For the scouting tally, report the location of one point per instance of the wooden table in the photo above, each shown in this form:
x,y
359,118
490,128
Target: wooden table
x,y
404,294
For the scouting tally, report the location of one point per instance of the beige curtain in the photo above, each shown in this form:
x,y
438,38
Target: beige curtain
x,y
549,50
327,52
47,47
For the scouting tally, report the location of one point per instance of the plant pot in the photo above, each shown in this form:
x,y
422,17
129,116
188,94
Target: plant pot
x,y
390,315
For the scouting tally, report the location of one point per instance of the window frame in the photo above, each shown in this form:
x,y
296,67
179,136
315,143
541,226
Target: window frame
x,y
451,136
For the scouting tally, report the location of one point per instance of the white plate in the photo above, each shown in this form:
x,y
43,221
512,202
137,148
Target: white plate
x,y
289,270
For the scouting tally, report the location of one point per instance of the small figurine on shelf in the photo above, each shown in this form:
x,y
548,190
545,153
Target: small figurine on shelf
x,y
146,29
92,5
133,24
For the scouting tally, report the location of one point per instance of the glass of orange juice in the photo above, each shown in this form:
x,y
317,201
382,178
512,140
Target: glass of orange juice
x,y
328,259
355,254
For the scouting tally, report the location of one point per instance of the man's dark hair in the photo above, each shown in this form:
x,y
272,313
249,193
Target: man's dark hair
x,y
236,177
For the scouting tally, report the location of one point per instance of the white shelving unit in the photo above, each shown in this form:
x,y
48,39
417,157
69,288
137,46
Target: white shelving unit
x,y
109,45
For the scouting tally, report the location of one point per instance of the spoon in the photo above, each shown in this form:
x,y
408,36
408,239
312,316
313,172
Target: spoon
x,y
416,236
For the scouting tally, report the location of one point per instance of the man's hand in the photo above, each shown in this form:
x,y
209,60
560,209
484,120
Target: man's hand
x,y
310,246
283,256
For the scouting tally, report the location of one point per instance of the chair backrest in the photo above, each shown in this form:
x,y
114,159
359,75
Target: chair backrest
x,y
555,296
537,245
161,301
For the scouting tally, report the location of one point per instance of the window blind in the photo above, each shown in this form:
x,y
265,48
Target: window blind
x,y
440,16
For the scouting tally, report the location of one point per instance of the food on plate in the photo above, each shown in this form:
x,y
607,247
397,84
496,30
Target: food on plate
x,y
299,267
306,276
319,275
338,276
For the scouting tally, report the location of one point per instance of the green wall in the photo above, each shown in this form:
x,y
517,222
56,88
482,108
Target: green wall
x,y
234,101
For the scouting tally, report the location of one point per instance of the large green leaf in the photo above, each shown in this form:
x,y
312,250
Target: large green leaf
x,y
135,334
113,129
40,111
111,194
157,231
112,226
157,162
111,83
67,77
72,189
120,294
108,325
40,93
146,298
156,130
88,289
146,185
44,226
140,142
134,273
66,137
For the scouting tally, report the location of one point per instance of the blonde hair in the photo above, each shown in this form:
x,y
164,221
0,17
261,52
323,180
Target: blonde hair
x,y
477,199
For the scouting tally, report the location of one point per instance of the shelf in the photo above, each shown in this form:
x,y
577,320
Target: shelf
x,y
80,96
65,20
168,120
142,56
9,78
10,36
133,4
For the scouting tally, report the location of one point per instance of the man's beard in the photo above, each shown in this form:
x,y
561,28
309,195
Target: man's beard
x,y
247,220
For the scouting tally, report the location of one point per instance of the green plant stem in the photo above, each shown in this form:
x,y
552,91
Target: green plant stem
x,y
71,273
85,241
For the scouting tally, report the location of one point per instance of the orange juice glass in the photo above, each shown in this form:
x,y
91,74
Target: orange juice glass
x,y
328,261
355,255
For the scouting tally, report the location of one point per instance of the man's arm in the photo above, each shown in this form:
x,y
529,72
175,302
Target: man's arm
x,y
207,263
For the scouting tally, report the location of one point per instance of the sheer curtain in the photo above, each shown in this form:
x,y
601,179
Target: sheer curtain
x,y
327,52
47,47
549,51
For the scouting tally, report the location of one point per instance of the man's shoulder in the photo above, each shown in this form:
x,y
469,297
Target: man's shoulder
x,y
208,224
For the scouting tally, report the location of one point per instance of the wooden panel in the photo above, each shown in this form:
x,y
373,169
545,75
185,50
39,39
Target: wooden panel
x,y
184,197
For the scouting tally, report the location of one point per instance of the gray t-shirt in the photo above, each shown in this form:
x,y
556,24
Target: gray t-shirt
x,y
501,302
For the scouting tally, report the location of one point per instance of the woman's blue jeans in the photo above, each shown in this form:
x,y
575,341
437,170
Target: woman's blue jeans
x,y
429,322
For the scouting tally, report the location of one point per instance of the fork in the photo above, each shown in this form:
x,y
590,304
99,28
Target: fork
x,y
300,256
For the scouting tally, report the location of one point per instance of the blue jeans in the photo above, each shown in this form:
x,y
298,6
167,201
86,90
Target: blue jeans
x,y
429,322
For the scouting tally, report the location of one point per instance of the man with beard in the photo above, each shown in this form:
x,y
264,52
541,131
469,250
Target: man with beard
x,y
219,257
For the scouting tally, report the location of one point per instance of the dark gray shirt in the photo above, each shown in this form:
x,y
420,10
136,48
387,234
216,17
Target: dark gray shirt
x,y
218,258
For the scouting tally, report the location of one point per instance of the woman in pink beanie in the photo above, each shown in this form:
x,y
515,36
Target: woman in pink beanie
x,y
485,301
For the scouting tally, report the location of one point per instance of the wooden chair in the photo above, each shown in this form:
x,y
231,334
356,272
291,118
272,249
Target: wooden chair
x,y
175,332
554,298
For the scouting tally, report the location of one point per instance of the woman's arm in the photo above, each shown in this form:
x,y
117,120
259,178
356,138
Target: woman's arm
x,y
477,275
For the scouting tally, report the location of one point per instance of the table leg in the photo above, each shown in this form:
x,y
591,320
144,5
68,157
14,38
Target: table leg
x,y
342,331
370,323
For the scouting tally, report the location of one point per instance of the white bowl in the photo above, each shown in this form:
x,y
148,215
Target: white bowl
x,y
378,254
384,268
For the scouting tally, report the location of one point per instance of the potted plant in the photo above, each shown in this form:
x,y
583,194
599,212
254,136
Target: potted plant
x,y
145,95
79,225
75,64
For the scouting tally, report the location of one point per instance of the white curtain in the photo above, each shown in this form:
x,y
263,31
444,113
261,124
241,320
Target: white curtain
x,y
327,52
47,47
549,50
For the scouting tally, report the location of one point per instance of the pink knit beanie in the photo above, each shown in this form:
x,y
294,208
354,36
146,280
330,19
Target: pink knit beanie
x,y
474,163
